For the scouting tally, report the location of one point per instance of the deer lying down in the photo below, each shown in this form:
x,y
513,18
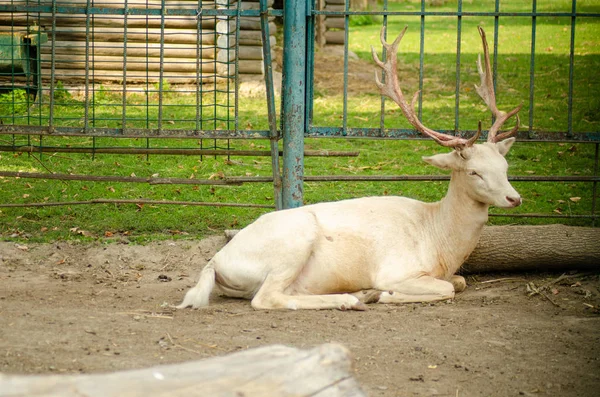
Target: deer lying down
x,y
344,254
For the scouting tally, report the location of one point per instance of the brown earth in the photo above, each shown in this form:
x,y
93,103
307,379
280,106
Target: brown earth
x,y
74,308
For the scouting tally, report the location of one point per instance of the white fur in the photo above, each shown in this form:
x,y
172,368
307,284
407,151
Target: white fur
x,y
317,256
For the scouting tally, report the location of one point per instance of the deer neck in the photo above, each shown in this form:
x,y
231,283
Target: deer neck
x,y
459,223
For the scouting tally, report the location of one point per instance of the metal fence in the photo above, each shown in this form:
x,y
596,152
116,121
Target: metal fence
x,y
121,107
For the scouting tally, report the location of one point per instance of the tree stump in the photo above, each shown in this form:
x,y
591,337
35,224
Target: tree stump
x,y
267,371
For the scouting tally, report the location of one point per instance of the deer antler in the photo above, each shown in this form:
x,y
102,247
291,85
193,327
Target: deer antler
x,y
391,88
486,92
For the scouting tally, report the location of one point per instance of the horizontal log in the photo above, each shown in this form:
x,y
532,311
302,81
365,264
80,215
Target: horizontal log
x,y
133,63
335,23
231,26
152,4
541,248
335,36
151,50
78,75
276,370
249,38
133,49
150,35
98,20
245,66
335,7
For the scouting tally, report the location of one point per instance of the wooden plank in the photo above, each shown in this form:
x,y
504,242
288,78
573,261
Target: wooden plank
x,y
267,371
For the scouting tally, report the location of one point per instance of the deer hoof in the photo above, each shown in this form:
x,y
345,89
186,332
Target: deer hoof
x,y
361,307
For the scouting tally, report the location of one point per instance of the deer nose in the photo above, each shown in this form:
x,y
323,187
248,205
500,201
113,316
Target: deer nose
x,y
514,201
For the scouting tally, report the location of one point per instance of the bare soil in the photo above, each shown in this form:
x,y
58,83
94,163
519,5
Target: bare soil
x,y
83,308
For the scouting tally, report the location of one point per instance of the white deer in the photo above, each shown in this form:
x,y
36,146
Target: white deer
x,y
341,255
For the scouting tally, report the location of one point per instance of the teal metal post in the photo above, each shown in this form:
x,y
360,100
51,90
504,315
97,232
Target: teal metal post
x,y
293,97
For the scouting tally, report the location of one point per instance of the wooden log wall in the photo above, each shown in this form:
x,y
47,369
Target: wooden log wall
x,y
334,25
115,48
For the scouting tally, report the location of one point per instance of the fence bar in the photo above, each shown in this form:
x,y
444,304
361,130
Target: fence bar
x,y
293,99
595,186
169,151
571,69
238,180
345,83
458,48
264,22
124,93
137,202
532,70
383,76
421,61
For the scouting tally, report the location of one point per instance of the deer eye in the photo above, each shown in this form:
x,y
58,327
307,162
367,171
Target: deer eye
x,y
473,173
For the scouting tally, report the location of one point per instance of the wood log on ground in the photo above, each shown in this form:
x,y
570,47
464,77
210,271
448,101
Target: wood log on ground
x,y
539,248
267,371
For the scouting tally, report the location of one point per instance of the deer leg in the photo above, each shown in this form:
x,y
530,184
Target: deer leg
x,y
368,295
422,289
272,295
459,283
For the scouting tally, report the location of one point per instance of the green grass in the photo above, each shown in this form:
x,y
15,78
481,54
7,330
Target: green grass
x,y
377,157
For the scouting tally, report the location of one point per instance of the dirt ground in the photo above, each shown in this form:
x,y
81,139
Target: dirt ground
x,y
74,308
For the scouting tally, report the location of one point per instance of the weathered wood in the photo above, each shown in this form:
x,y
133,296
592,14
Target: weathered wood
x,y
140,35
267,371
541,248
320,25
245,53
78,75
97,21
151,4
133,49
248,37
245,66
335,23
335,36
133,63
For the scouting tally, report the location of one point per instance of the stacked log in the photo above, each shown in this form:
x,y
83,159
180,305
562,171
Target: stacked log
x,y
117,48
335,25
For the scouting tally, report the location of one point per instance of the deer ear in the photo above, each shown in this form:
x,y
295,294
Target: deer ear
x,y
504,146
445,161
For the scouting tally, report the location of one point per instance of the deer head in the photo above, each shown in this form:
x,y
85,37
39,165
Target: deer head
x,y
480,168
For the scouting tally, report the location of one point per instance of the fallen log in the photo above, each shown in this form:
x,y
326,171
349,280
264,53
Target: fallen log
x,y
539,248
267,371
